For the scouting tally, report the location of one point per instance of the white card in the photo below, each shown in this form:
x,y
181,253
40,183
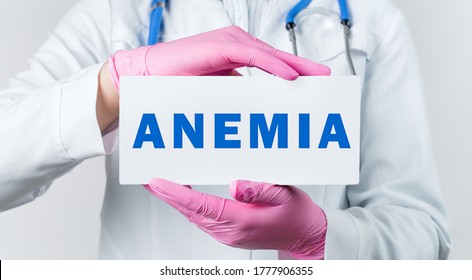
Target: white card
x,y
213,130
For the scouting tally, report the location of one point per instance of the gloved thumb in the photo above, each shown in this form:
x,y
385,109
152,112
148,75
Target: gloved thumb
x,y
260,193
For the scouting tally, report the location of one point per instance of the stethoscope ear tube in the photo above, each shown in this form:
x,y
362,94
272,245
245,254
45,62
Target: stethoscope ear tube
x,y
290,22
347,35
291,34
345,21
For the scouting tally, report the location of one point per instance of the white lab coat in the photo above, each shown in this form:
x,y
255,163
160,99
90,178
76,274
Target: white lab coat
x,y
48,126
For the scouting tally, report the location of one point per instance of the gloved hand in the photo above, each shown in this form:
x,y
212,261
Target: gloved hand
x,y
217,52
264,216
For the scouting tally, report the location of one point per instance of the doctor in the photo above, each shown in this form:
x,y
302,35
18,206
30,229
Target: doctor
x,y
64,110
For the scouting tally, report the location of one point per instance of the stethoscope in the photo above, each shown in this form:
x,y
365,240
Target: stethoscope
x,y
159,5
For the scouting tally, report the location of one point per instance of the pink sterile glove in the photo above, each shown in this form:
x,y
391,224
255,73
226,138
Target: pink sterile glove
x,y
217,52
264,216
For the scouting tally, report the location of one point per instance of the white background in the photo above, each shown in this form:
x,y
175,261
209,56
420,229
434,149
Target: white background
x,y
65,222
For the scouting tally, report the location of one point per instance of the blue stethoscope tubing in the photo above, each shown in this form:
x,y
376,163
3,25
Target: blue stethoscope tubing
x,y
345,16
156,21
159,5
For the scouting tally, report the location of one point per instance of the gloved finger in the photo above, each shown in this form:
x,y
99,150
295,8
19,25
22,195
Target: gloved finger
x,y
188,214
224,231
221,227
303,66
260,193
255,57
188,200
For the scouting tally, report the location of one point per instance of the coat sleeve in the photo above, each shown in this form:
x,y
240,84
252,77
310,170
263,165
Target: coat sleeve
x,y
48,121
396,211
